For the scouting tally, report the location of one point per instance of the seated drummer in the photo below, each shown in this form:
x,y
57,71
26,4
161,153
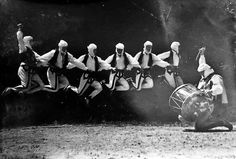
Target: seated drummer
x,y
212,84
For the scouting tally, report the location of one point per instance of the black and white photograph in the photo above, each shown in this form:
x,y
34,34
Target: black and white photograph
x,y
118,79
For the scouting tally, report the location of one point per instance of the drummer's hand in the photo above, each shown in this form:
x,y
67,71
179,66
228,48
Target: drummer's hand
x,y
202,92
208,92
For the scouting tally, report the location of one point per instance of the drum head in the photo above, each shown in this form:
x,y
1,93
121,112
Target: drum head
x,y
179,95
194,106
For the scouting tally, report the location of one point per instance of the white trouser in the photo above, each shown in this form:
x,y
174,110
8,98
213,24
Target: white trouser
x,y
174,81
118,77
123,84
147,83
30,81
55,81
85,82
143,81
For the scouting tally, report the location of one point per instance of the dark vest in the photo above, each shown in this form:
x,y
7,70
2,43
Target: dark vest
x,y
28,57
96,61
209,86
150,60
207,79
126,60
53,60
170,59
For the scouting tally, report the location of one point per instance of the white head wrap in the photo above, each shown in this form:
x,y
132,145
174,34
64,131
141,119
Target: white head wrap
x,y
203,67
27,39
62,43
175,46
120,46
91,47
207,70
147,43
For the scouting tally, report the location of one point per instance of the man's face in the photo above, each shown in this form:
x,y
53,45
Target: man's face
x,y
149,48
119,51
202,73
64,50
94,52
31,42
179,48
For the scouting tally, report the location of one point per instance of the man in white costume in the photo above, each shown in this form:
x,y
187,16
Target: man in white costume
x,y
121,61
93,77
147,59
173,58
57,61
30,80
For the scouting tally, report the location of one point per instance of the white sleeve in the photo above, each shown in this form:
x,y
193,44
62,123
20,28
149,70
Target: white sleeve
x,y
217,87
36,55
46,57
202,59
80,59
132,60
164,55
21,44
70,66
76,62
137,56
157,61
109,59
103,64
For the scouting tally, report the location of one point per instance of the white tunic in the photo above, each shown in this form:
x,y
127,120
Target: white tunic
x,y
91,63
155,58
59,63
120,64
175,57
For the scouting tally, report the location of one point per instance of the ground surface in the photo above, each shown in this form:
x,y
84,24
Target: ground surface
x,y
115,141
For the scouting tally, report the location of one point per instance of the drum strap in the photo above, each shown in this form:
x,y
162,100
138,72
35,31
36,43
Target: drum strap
x,y
218,98
208,78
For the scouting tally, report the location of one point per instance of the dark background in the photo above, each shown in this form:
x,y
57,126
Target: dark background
x,y
194,24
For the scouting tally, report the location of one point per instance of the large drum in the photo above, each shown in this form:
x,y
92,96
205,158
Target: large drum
x,y
190,102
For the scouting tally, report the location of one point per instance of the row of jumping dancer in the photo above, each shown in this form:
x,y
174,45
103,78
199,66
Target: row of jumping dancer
x,y
58,60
